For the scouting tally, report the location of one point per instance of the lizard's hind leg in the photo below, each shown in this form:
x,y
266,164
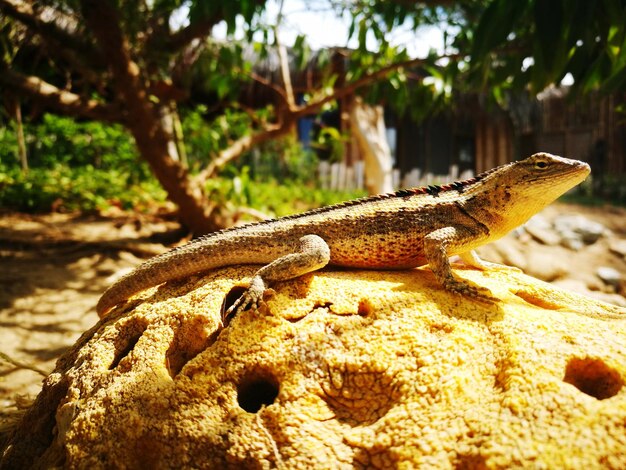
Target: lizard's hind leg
x,y
311,253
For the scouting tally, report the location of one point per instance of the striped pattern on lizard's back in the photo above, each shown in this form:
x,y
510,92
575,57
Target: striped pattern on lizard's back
x,y
407,228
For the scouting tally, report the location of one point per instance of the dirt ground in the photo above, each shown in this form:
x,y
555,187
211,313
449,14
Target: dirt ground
x,y
54,267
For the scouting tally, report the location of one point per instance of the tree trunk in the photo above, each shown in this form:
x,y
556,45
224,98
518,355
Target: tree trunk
x,y
153,144
368,125
144,121
167,123
21,143
179,137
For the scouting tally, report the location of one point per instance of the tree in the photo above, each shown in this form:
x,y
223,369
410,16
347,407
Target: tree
x,y
123,61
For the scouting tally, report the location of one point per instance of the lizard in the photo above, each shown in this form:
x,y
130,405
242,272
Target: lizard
x,y
399,230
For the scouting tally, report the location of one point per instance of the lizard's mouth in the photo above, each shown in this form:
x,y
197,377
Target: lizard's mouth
x,y
583,168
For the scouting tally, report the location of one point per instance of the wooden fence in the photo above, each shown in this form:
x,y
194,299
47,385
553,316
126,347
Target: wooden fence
x,y
340,177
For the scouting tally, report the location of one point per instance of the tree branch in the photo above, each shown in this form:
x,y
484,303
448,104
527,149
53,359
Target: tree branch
x,y
102,18
280,92
199,29
144,122
242,145
283,61
50,29
349,88
186,59
63,101
289,116
285,73
22,365
184,36
269,84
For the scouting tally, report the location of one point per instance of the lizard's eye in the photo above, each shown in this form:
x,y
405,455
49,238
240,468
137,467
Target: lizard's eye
x,y
541,165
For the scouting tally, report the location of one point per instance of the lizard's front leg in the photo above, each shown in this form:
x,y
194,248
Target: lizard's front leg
x,y
436,246
311,253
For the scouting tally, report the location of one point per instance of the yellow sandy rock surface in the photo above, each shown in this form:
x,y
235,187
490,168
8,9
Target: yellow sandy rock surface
x,y
339,369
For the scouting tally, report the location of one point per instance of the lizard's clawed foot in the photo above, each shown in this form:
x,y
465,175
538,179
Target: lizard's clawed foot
x,y
250,299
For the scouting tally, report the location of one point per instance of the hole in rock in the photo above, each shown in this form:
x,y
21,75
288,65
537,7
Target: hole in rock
x,y
325,305
129,334
257,390
229,299
593,377
469,461
190,339
365,308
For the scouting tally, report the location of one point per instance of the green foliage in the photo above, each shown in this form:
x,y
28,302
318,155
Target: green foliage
x,y
502,45
63,140
9,39
301,51
495,25
277,178
272,197
69,189
74,166
202,10
222,70
420,89
276,160
90,166
583,38
206,136
381,17
331,142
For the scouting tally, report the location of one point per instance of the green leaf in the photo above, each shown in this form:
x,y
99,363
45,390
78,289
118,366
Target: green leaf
x,y
351,28
615,82
550,44
496,23
302,51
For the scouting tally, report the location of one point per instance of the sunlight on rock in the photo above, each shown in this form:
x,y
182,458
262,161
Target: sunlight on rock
x,y
340,369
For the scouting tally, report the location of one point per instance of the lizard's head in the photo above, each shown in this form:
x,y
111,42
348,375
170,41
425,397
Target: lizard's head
x,y
525,187
545,177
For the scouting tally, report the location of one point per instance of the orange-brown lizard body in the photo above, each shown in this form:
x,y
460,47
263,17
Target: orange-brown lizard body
x,y
399,230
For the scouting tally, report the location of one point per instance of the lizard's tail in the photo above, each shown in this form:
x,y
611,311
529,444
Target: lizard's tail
x,y
180,263
109,299
121,290
151,273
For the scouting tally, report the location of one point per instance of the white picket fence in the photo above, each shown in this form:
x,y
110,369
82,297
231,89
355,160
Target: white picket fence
x,y
340,177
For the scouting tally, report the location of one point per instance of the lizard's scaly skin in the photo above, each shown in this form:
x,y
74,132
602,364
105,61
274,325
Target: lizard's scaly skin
x,y
400,230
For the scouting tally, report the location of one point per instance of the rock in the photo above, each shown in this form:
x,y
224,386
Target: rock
x,y
576,285
577,231
339,369
504,252
541,230
618,247
546,268
572,241
610,276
